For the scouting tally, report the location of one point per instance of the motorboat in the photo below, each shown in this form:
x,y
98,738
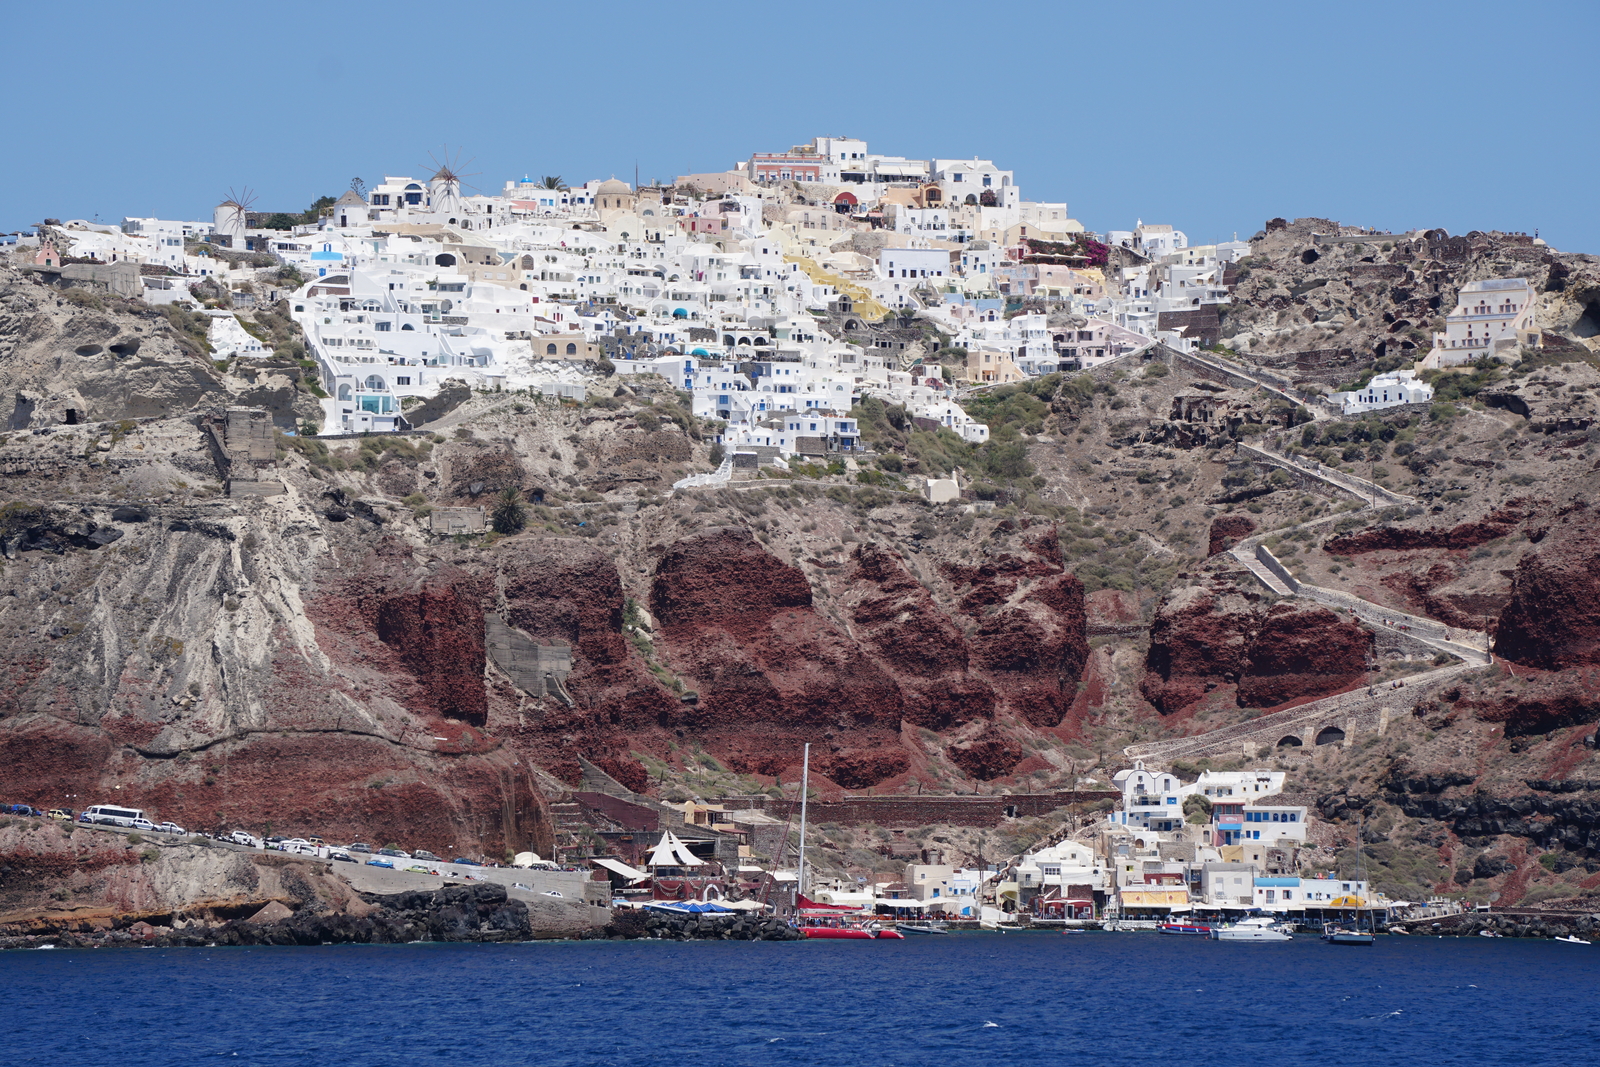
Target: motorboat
x,y
922,926
1573,940
1259,928
1186,929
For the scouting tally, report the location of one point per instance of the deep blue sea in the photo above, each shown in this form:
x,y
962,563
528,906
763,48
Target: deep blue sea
x,y
1007,1000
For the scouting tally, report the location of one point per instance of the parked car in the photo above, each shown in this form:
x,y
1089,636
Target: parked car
x,y
171,828
380,863
341,855
417,868
394,853
24,809
519,885
552,893
466,862
248,840
424,854
60,813
290,844
145,825
85,817
274,842
305,849
359,846
315,840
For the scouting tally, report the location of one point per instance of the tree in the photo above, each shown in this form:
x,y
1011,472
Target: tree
x,y
322,205
510,512
552,181
717,452
1196,809
279,221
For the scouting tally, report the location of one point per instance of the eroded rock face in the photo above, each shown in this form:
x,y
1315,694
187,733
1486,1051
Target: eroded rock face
x,y
770,671
1553,619
1207,636
1300,652
1229,530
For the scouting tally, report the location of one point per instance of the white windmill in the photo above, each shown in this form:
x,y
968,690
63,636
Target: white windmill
x,y
230,219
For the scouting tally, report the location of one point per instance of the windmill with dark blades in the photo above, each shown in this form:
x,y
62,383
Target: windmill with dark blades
x,y
444,188
231,217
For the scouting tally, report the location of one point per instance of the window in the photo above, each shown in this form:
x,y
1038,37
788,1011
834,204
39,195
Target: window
x,y
572,349
383,327
402,381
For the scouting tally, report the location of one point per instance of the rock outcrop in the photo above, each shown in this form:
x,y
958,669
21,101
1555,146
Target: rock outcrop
x,y
1553,619
1207,636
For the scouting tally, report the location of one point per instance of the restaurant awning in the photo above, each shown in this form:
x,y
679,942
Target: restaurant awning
x,y
632,874
894,902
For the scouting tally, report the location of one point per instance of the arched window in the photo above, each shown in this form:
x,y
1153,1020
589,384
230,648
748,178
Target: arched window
x,y
549,350
572,349
375,384
444,259
344,392
408,326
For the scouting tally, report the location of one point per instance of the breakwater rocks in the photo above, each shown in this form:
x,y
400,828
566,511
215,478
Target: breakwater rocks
x,y
631,925
479,913
1523,924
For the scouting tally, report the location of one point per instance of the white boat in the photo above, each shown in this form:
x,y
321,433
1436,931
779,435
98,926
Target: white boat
x,y
1573,940
1256,929
921,927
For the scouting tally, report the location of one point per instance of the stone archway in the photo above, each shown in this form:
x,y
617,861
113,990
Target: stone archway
x,y
1330,735
1289,741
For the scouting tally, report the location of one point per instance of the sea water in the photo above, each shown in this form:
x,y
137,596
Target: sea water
x,y
1010,1000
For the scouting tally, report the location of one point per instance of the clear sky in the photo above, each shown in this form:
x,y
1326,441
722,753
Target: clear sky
x,y
1211,116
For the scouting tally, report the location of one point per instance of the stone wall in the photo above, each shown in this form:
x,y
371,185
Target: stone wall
x,y
538,670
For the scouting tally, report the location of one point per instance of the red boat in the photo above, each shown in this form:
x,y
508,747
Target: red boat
x,y
852,932
1191,929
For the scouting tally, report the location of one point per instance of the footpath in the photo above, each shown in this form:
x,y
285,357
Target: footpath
x,y
1337,717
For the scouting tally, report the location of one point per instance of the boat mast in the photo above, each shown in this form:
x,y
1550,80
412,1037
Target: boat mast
x,y
805,777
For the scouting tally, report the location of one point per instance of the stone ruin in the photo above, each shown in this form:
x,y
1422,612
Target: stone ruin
x,y
538,670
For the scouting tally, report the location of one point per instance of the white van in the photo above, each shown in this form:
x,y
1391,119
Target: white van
x,y
113,815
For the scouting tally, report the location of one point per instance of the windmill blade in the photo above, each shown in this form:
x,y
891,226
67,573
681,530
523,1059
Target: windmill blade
x,y
452,170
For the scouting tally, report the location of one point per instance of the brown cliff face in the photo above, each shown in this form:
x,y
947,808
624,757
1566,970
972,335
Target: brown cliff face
x,y
1553,619
1204,637
1302,652
1497,523
770,671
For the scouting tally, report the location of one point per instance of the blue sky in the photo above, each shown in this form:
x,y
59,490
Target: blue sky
x,y
1213,117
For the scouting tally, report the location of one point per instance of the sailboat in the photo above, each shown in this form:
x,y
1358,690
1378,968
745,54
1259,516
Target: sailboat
x,y
1336,933
832,922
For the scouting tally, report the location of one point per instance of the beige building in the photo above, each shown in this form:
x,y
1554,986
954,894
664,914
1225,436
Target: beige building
x,y
989,366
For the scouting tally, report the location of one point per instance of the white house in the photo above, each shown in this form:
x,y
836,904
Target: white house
x,y
1490,316
1298,894
1384,391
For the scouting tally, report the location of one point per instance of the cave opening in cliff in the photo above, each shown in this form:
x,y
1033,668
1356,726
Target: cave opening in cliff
x,y
1291,741
1588,324
1309,256
1330,735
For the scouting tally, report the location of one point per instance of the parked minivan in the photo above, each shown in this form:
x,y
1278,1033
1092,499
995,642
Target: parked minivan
x,y
113,815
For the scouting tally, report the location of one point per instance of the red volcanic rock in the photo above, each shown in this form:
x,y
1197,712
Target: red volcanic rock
x,y
1203,637
1553,619
899,624
740,624
1497,523
989,755
1302,652
438,632
1229,530
858,768
1541,703
1199,638
1034,647
562,591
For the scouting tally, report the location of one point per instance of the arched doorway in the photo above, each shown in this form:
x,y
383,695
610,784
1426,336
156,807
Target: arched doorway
x,y
444,259
1330,735
1289,741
